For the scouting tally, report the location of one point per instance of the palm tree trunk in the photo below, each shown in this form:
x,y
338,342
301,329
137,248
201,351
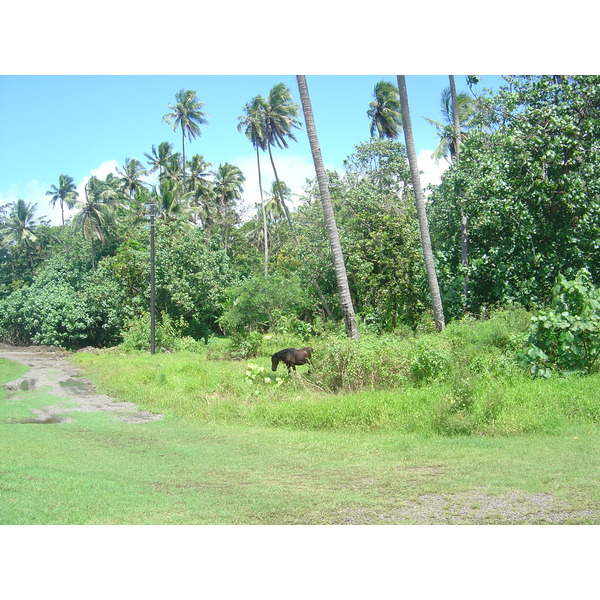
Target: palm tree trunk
x,y
183,155
464,238
332,231
285,208
264,214
436,299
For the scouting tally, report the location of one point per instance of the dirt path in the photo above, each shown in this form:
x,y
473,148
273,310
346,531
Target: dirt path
x,y
50,372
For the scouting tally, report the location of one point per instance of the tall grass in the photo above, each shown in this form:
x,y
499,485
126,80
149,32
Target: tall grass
x,y
463,381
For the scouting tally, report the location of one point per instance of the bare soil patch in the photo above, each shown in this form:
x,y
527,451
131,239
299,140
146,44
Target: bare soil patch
x,y
51,372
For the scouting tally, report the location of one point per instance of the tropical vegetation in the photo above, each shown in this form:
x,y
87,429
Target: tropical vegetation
x,y
522,174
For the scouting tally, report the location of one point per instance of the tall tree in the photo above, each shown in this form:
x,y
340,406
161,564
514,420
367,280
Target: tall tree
x,y
131,175
65,193
170,202
332,231
280,118
253,125
188,116
172,168
436,299
464,239
275,205
20,226
384,111
96,212
458,113
465,108
159,158
530,176
228,187
199,174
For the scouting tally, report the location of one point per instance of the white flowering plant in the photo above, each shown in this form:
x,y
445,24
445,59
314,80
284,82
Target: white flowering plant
x,y
257,375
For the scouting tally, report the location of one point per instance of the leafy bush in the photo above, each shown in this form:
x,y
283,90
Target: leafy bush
x,y
371,362
566,337
218,348
261,304
429,360
64,307
246,346
168,336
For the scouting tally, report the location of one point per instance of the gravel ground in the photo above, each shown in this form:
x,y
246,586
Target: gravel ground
x,y
477,507
50,372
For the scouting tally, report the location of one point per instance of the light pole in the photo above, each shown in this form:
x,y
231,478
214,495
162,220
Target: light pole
x,y
152,283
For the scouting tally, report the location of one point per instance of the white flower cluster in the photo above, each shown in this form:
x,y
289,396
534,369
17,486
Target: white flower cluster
x,y
255,374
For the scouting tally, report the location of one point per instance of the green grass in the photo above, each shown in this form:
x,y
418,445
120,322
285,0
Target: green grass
x,y
234,469
200,390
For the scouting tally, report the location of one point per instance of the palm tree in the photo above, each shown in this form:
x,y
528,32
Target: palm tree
x,y
187,115
19,229
96,211
275,205
158,159
436,300
464,239
131,175
199,174
384,111
172,168
458,112
170,200
228,186
332,232
280,117
65,193
465,110
253,125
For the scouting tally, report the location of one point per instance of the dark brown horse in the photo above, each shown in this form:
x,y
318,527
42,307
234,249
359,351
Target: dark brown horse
x,y
291,357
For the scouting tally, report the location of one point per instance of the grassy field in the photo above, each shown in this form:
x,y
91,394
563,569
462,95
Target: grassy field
x,y
291,454
210,391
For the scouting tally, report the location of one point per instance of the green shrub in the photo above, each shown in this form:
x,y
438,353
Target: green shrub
x,y
263,303
218,348
65,307
246,346
566,337
429,360
372,362
167,335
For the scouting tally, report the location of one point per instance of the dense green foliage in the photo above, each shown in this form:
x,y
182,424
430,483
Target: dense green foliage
x,y
527,181
566,336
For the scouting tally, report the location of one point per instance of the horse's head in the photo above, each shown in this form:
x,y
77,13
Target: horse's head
x,y
274,362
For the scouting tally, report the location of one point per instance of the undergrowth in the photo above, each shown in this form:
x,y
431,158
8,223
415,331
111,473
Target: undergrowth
x,y
464,381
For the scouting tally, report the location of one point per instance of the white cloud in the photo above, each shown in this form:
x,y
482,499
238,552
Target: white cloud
x,y
33,192
431,172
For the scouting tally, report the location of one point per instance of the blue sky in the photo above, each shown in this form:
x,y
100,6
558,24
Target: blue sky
x,y
85,125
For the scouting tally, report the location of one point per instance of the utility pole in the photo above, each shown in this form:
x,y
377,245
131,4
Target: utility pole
x,y
152,283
